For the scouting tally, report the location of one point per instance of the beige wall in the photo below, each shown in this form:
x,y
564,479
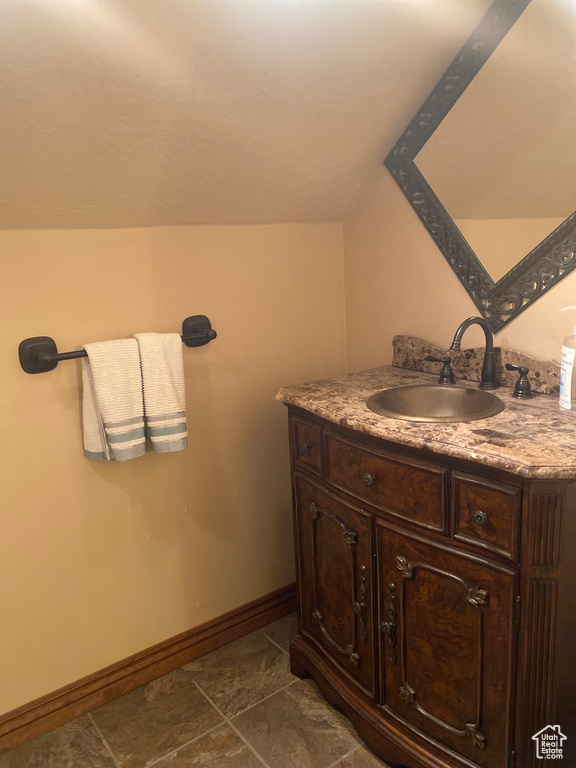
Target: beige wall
x,y
97,560
397,281
501,243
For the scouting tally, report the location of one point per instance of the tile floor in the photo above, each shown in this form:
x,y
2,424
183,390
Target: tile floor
x,y
238,707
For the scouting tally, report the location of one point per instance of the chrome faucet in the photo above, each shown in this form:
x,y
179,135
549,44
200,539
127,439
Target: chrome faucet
x,y
488,377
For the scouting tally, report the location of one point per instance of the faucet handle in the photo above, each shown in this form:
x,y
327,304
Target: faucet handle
x,y
522,388
446,374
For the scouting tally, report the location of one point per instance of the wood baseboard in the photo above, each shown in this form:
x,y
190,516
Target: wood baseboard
x,y
55,709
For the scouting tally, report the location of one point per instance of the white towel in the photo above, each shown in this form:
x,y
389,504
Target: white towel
x,y
164,392
112,403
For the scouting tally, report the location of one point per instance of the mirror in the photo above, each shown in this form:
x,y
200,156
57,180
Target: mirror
x,y
487,163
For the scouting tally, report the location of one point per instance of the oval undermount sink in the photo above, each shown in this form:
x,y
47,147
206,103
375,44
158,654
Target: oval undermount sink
x,y
435,402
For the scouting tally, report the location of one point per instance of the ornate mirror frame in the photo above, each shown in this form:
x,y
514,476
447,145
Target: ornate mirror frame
x,y
551,260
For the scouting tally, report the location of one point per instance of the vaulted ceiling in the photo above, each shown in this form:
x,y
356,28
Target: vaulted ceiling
x,y
118,113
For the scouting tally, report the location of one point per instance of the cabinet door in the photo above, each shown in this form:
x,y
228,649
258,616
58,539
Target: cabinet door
x,y
448,631
335,556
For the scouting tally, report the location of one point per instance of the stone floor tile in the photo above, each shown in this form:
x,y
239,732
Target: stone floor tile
x,y
283,630
241,673
295,728
74,745
221,748
362,758
155,719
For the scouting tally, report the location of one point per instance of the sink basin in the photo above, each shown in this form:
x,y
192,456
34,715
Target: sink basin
x,y
435,402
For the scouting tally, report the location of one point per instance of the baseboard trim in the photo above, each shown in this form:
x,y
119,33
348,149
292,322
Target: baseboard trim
x,y
55,709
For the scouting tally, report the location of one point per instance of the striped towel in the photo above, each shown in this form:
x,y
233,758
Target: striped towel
x,y
112,404
164,393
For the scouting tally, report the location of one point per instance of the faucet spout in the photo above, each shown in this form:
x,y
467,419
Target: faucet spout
x,y
488,376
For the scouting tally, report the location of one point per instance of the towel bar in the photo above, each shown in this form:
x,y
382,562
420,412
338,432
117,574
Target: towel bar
x,y
40,353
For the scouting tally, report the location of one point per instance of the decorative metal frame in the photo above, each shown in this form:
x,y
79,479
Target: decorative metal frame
x,y
551,260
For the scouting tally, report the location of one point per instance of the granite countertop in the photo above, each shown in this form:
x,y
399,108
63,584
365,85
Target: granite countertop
x,y
531,438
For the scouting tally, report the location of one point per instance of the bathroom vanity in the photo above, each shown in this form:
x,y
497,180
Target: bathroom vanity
x,y
436,569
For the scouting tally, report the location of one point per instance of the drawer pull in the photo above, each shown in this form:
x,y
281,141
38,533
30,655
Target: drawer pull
x,y
368,479
303,448
480,518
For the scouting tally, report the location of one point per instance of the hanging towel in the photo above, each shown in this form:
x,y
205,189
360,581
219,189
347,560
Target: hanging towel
x,y
164,393
112,403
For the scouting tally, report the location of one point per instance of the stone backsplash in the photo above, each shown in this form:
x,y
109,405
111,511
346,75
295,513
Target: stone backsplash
x,y
409,353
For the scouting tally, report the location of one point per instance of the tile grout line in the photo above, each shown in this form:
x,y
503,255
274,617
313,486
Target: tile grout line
x,y
257,755
275,643
101,735
229,723
174,751
265,698
226,720
251,706
339,760
232,726
237,731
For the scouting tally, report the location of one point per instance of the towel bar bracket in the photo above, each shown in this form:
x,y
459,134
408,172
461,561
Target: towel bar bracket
x,y
40,353
199,326
36,354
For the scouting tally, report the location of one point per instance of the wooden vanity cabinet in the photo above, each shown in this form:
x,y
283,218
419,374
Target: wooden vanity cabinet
x,y
434,607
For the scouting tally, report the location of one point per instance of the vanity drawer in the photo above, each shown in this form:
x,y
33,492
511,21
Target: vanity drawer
x,y
486,513
412,490
307,445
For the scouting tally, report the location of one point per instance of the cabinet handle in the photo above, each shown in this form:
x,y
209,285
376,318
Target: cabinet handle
x,y
480,518
389,627
303,448
368,479
361,606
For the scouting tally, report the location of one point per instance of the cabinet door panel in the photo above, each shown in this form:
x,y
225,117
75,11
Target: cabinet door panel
x,y
336,579
448,642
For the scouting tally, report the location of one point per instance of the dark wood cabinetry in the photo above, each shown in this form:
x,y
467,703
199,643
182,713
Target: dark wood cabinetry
x,y
412,490
435,595
337,606
448,664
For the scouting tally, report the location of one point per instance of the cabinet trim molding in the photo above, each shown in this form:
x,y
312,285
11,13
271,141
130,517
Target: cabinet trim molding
x,y
545,525
542,599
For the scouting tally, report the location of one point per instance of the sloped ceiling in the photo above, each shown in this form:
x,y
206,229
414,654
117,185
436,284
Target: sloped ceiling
x,y
118,113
